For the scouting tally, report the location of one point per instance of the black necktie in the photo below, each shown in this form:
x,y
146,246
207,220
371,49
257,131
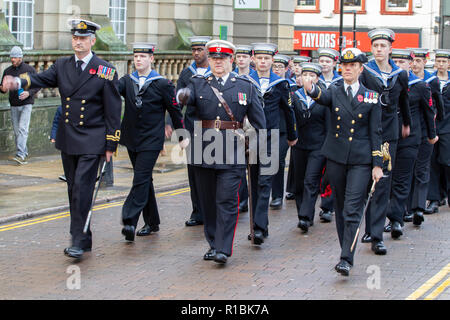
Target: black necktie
x,y
79,63
349,93
220,81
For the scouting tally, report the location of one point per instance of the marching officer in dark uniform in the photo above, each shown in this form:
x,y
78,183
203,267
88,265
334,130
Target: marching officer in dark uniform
x,y
391,84
352,147
280,67
220,102
89,126
439,185
312,125
277,98
418,195
328,60
199,66
147,98
408,148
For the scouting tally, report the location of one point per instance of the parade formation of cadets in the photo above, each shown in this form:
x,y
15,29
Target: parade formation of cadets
x,y
383,123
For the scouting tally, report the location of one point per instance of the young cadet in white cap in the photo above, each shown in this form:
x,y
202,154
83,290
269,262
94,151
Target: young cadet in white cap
x,y
89,127
298,60
244,55
220,101
308,160
439,186
417,198
280,67
277,98
147,98
422,114
21,103
199,66
391,84
352,147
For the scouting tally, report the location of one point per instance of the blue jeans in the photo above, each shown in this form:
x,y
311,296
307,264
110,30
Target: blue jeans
x,y
20,118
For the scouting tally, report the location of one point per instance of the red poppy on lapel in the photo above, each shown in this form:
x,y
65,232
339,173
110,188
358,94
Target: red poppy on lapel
x,y
360,98
92,71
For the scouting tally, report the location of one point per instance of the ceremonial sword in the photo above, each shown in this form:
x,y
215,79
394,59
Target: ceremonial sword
x,y
88,220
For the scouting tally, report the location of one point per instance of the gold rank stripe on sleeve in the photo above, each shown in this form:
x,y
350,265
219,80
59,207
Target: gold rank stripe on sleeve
x,y
320,93
26,77
116,137
377,154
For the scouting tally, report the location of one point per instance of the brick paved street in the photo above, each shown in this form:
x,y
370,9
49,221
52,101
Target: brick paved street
x,y
169,265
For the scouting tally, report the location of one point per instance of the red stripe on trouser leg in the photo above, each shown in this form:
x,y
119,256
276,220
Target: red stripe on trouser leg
x,y
237,219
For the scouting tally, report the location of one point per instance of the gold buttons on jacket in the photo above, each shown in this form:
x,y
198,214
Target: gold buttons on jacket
x,y
81,123
360,116
350,139
82,109
220,104
82,116
67,114
337,109
67,99
337,135
83,101
67,120
338,127
352,130
67,107
353,121
339,118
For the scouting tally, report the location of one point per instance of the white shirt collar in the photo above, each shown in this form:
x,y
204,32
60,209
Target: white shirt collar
x,y
355,87
85,60
225,78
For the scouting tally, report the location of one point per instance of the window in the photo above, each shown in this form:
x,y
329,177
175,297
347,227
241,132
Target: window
x,y
351,5
118,17
19,15
399,7
308,6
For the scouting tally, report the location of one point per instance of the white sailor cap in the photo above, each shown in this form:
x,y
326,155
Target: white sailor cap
x,y
402,54
220,48
311,67
329,53
386,34
442,53
420,52
353,55
144,47
301,59
244,49
265,48
200,41
281,58
83,28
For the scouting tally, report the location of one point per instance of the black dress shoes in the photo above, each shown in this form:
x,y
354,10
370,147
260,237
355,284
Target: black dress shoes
x,y
418,218
388,227
259,237
193,223
443,203
74,252
379,248
147,230
290,196
210,255
408,217
276,203
343,267
243,206
326,216
366,238
304,225
128,232
396,230
220,258
433,207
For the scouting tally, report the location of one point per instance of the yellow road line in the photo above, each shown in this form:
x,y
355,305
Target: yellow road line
x,y
439,290
429,284
66,214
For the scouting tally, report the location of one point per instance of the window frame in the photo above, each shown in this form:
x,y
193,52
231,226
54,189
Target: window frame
x,y
115,22
9,18
386,11
309,9
338,11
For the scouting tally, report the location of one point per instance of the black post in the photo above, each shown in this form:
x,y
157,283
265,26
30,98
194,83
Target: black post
x,y
355,43
341,27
